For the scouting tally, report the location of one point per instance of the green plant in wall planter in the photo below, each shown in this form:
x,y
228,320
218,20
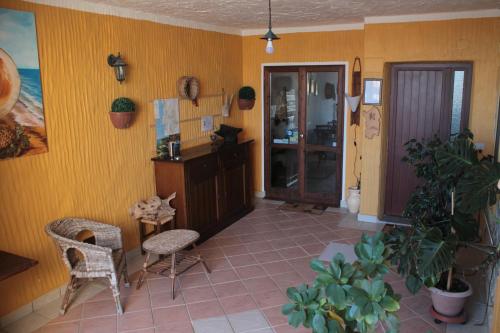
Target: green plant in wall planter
x,y
347,297
456,188
122,112
246,98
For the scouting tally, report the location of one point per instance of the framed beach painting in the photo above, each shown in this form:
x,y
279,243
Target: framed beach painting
x,y
22,123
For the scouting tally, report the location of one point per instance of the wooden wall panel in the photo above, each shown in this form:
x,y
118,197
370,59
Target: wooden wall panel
x,y
93,170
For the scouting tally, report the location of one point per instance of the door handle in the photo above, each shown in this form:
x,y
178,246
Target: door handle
x,y
301,135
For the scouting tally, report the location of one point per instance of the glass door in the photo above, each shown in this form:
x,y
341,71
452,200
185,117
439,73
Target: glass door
x,y
323,130
303,133
282,132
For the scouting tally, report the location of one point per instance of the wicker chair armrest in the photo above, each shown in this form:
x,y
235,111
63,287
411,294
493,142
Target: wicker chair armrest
x,y
93,254
109,236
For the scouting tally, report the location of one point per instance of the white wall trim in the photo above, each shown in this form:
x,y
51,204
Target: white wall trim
x,y
315,28
260,194
368,218
103,9
346,110
433,16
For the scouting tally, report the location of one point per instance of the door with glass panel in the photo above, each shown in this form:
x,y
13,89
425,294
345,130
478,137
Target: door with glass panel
x,y
426,100
303,133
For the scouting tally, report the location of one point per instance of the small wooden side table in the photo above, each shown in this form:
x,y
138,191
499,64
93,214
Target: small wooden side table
x,y
158,227
12,264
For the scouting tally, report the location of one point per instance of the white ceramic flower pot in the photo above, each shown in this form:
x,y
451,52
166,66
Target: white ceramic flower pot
x,y
353,200
448,303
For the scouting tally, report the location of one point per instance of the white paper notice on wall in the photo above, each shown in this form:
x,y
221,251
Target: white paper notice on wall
x,y
207,123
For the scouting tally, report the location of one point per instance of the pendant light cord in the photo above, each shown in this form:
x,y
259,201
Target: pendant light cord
x,y
269,14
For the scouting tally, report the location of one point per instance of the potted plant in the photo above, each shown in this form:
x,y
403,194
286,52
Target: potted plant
x,y
456,186
122,112
246,98
347,297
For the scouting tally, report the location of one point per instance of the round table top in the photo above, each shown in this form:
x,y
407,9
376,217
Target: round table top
x,y
170,241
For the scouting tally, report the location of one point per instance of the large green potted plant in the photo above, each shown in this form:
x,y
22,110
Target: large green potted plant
x,y
455,186
246,98
347,297
122,112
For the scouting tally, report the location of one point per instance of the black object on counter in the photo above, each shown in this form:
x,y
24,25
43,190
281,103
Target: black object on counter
x,y
229,133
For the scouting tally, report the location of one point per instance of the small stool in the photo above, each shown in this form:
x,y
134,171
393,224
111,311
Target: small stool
x,y
158,227
169,245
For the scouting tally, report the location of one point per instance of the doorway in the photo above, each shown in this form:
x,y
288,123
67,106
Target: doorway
x,y
303,133
427,99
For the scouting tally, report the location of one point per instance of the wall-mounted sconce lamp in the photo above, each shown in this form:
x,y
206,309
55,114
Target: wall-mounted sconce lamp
x,y
118,65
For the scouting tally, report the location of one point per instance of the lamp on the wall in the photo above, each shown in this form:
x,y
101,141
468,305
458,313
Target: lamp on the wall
x,y
270,36
118,65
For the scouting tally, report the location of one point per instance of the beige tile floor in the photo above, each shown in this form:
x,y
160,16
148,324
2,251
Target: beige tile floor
x,y
253,262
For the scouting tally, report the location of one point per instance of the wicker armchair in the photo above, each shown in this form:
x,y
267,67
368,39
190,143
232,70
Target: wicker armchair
x,y
104,259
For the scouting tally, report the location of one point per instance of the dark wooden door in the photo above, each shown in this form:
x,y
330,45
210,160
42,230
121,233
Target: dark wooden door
x,y
303,133
426,100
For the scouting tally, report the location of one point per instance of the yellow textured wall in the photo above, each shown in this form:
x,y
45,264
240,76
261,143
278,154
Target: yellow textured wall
x,y
296,48
92,169
476,40
96,171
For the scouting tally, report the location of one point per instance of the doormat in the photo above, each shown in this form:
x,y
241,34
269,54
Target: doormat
x,y
303,207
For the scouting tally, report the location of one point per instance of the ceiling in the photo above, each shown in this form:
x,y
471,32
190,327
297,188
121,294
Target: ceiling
x,y
240,14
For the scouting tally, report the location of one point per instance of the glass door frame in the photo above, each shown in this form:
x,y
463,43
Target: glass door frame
x,y
335,197
278,193
300,194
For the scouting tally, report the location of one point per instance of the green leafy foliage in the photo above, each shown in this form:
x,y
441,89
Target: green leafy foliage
x,y
347,297
439,226
122,104
246,92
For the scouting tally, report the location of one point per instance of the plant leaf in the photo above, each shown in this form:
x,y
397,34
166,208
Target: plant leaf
x,y
287,309
297,318
413,284
436,253
319,323
389,304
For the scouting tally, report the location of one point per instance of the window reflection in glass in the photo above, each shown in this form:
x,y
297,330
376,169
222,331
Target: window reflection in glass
x,y
322,99
284,108
456,111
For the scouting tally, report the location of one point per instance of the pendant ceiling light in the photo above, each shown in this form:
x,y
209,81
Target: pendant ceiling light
x,y
270,36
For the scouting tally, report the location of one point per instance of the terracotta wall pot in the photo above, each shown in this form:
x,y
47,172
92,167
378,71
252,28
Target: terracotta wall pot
x,y
246,104
121,119
447,303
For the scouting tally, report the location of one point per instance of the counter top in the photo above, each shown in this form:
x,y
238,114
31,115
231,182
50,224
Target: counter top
x,y
202,150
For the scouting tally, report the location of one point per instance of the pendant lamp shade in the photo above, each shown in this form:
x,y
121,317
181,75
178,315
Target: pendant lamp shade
x,y
353,101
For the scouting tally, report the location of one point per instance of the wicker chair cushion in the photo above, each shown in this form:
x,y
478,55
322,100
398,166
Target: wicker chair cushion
x,y
170,241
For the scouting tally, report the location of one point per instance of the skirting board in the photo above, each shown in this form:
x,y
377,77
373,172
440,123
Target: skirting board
x,y
260,194
369,218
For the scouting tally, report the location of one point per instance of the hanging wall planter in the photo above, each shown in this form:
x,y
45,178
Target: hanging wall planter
x,y
246,98
122,112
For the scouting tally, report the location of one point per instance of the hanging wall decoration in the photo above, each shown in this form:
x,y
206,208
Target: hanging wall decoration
x,y
356,92
22,122
189,88
372,122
